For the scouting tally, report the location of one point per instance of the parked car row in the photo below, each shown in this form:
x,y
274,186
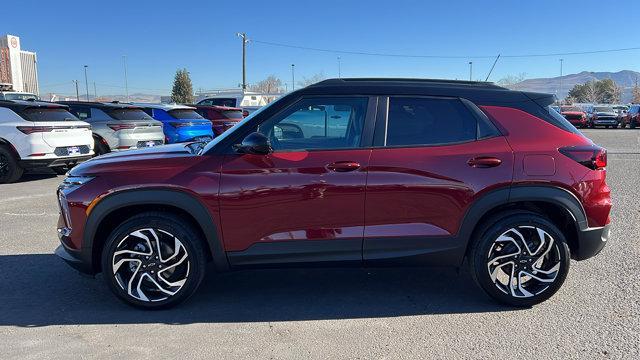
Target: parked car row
x,y
60,135
608,116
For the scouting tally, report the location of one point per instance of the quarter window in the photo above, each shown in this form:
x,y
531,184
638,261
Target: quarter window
x,y
429,121
323,123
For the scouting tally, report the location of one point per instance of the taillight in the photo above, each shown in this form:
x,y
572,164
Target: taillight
x,y
34,129
592,156
118,127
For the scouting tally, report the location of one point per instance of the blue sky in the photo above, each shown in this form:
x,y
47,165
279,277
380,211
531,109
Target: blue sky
x,y
159,37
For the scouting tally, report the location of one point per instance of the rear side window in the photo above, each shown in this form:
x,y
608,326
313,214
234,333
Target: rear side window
x,y
44,114
129,114
185,114
81,112
429,121
560,121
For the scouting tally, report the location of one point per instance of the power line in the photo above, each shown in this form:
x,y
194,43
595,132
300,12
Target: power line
x,y
367,53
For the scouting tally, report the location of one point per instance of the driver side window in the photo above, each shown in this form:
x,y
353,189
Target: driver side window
x,y
318,123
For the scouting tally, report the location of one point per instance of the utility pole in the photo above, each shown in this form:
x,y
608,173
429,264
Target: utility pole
x,y
126,82
86,82
339,72
95,92
560,90
77,92
245,40
470,70
293,77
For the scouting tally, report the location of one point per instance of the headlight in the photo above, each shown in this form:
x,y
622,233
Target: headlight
x,y
72,182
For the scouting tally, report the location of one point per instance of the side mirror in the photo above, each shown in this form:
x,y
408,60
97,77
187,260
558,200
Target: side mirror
x,y
255,143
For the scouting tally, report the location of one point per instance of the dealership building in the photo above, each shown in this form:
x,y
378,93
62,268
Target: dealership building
x,y
18,68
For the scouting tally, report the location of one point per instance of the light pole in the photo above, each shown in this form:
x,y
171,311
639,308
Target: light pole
x,y
86,82
95,92
470,70
293,77
126,81
560,90
339,72
77,91
245,40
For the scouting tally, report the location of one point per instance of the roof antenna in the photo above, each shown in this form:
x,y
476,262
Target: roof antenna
x,y
492,66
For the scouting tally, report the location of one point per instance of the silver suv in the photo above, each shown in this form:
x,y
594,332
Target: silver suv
x,y
118,127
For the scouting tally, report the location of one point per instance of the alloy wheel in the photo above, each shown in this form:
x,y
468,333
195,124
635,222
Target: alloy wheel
x,y
524,261
4,165
150,264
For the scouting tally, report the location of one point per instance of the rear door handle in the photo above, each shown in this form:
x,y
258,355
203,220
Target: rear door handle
x,y
484,162
343,166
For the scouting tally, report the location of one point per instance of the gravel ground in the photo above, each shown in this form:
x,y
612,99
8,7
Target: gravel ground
x,y
49,311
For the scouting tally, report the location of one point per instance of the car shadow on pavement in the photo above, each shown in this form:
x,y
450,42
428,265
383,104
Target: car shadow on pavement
x,y
40,290
29,177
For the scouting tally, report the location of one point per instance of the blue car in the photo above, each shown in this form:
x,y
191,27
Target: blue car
x,y
180,123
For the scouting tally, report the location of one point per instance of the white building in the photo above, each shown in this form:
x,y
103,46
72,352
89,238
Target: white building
x,y
18,68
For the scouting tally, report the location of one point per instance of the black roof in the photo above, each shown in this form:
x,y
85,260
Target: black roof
x,y
20,105
482,92
101,105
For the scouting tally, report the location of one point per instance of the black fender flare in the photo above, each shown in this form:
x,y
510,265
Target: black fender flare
x,y
175,198
519,193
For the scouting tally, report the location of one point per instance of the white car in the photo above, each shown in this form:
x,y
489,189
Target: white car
x,y
36,134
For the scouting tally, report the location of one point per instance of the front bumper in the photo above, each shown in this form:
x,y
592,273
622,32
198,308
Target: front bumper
x,y
591,241
74,259
605,122
53,162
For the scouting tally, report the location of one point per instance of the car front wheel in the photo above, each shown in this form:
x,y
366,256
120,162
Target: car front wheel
x,y
153,260
521,259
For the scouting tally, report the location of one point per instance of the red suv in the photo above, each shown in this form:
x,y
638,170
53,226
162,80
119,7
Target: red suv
x,y
350,171
222,117
575,115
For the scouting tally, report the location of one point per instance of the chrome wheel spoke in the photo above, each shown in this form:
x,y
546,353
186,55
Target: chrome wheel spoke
x,y
150,264
523,261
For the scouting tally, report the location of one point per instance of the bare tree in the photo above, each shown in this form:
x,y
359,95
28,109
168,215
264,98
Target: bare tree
x,y
635,94
270,85
311,80
512,81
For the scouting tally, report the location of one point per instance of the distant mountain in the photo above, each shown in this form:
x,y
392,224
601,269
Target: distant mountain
x,y
137,97
625,78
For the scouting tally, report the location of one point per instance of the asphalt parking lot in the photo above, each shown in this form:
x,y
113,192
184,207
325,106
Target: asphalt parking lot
x,y
49,311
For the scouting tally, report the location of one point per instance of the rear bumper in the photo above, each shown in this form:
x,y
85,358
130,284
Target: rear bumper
x,y
591,241
53,162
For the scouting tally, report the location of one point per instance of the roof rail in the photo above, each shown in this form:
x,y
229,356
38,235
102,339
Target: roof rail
x,y
345,81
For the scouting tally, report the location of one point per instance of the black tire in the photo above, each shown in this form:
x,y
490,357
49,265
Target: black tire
x,y
10,170
60,170
632,125
487,245
190,272
99,148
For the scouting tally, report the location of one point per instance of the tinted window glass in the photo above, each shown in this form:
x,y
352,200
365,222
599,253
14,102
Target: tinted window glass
x,y
20,96
129,114
228,102
424,121
233,114
184,114
82,113
40,114
326,123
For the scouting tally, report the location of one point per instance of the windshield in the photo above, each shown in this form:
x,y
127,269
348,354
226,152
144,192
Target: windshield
x,y
20,96
571,108
129,114
603,109
184,114
227,133
48,114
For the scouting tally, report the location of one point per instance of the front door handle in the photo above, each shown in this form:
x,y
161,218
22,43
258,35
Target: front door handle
x,y
484,162
343,166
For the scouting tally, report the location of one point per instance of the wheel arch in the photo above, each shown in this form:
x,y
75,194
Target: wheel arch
x,y
559,205
114,208
10,146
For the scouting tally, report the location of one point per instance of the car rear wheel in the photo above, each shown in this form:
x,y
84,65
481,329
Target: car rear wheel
x,y
154,260
520,259
10,170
